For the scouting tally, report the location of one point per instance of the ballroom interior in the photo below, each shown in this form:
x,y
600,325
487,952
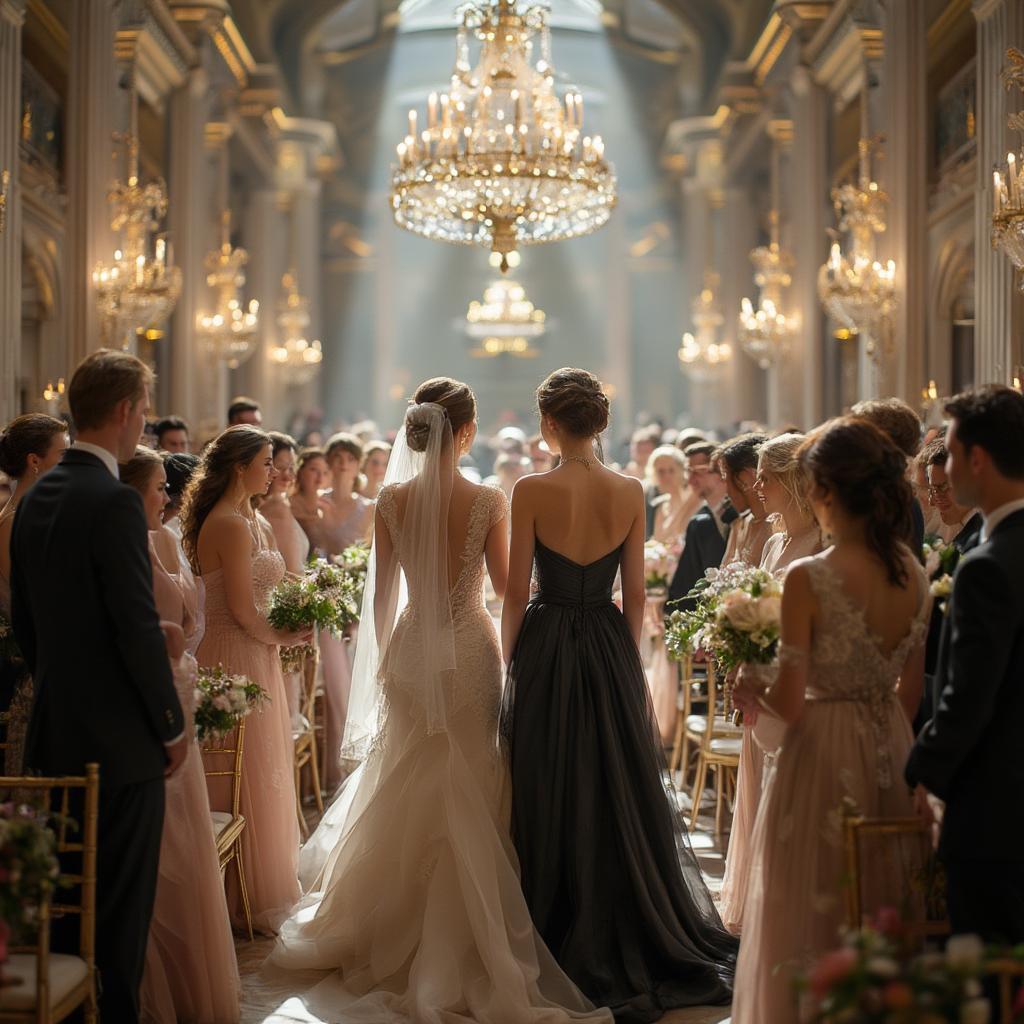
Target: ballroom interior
x,y
821,168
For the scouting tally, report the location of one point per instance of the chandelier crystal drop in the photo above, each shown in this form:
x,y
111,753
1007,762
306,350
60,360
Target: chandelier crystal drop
x,y
297,357
502,161
765,332
1008,183
856,290
702,356
229,331
506,322
139,288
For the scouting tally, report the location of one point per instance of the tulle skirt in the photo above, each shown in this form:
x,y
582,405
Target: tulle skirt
x,y
270,842
418,912
795,901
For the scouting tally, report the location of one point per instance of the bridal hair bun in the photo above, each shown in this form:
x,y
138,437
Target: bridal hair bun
x,y
31,434
866,473
575,400
457,400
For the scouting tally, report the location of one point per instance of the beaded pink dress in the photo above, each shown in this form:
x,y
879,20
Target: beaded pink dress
x,y
270,842
191,974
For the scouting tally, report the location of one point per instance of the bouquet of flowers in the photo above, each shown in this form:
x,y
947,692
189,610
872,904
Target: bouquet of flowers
x,y
941,588
872,978
659,565
28,869
223,700
354,562
324,597
737,618
9,649
939,559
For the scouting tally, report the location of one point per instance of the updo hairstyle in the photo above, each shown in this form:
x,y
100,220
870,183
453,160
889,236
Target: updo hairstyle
x,y
575,400
866,473
31,434
457,400
780,456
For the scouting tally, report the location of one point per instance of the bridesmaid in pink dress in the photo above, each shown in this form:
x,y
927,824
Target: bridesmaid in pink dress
x,y
782,487
291,539
347,518
232,548
191,974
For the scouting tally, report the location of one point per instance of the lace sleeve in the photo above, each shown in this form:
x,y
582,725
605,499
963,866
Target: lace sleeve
x,y
388,509
499,508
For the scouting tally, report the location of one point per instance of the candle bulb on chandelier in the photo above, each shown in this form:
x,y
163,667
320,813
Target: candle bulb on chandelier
x,y
1011,173
161,249
432,110
997,190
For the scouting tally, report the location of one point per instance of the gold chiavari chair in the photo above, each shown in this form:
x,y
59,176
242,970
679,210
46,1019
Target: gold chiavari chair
x,y
1007,972
719,743
690,723
304,738
40,986
228,826
890,863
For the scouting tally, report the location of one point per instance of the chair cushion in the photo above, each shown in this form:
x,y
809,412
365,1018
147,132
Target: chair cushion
x,y
726,745
220,820
723,727
66,973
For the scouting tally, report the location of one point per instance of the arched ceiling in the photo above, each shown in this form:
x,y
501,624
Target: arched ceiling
x,y
286,33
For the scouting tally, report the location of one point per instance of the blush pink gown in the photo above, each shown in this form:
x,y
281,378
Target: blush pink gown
x,y
191,974
270,842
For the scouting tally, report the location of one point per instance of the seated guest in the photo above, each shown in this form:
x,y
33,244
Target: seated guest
x,y
191,973
968,755
172,435
933,526
376,455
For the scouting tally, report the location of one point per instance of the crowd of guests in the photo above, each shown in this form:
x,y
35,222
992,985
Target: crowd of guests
x,y
127,561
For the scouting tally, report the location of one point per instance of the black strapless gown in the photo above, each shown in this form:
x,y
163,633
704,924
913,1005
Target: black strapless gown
x,y
607,869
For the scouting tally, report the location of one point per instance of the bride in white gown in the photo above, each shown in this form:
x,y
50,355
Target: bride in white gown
x,y
415,904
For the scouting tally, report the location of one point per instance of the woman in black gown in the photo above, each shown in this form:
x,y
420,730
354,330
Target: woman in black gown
x,y
607,869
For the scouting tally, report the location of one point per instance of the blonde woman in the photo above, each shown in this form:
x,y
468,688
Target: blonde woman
x,y
783,486
676,503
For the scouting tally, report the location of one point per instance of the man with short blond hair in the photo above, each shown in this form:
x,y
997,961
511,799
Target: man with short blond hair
x,y
84,616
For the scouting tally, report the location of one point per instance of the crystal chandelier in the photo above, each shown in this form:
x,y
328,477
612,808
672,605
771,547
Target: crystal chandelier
x,y
506,322
502,162
1008,184
856,290
764,333
138,289
702,356
299,358
228,330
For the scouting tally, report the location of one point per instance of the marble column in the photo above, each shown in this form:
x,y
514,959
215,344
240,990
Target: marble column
x,y
91,120
805,185
999,309
12,13
904,175
190,213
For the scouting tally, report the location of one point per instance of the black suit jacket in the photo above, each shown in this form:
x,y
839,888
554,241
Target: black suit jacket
x,y
969,753
84,617
703,548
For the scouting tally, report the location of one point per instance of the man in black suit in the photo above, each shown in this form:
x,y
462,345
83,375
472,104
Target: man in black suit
x,y
84,617
706,533
968,755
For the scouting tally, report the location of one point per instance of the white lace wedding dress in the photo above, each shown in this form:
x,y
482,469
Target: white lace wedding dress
x,y
418,911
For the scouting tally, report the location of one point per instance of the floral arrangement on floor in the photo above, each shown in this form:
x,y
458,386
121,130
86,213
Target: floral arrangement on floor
x,y
325,597
355,561
737,618
659,565
9,649
223,700
28,869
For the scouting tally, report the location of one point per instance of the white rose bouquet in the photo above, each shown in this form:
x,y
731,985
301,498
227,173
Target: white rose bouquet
x,y
223,700
659,565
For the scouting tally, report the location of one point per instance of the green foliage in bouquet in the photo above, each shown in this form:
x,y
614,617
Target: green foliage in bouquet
x,y
223,700
736,618
354,561
325,597
29,871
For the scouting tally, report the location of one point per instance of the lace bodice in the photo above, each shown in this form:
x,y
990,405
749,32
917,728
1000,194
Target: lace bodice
x,y
847,661
489,507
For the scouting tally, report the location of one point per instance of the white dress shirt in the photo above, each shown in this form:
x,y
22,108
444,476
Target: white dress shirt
x,y
104,455
997,515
